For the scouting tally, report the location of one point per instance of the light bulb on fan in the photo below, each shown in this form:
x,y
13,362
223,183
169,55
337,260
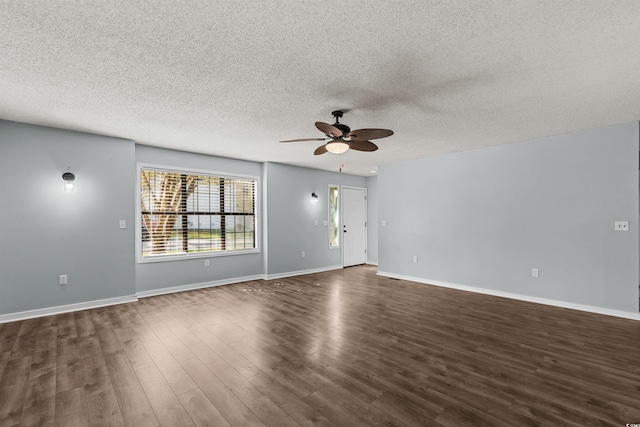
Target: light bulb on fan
x,y
337,147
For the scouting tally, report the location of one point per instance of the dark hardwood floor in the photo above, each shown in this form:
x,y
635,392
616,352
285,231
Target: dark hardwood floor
x,y
345,348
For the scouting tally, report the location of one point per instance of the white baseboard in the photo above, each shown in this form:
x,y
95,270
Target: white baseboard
x,y
537,300
31,314
173,289
301,272
372,262
164,291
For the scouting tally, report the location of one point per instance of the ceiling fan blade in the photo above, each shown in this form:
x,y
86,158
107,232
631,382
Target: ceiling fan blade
x,y
305,139
328,129
362,145
366,134
320,150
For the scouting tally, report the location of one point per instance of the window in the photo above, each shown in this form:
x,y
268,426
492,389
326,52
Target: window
x,y
189,213
334,217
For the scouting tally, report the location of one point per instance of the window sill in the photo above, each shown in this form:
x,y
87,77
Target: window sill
x,y
191,256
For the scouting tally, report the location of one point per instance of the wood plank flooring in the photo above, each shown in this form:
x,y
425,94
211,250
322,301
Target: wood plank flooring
x,y
341,348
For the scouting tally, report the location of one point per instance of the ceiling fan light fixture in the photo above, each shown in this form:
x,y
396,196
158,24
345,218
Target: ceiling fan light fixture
x,y
337,147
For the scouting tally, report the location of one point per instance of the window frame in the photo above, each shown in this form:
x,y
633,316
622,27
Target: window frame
x,y
338,214
193,255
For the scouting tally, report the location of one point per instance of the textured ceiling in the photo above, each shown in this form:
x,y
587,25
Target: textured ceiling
x,y
232,78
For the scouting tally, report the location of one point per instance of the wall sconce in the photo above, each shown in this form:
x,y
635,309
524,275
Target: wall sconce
x,y
68,178
314,198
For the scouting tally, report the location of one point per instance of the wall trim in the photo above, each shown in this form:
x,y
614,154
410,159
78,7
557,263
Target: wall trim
x,y
372,262
231,281
50,311
301,272
174,289
537,300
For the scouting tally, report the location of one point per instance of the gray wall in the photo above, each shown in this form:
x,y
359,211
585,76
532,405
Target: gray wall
x,y
482,218
158,275
485,218
47,232
372,218
291,218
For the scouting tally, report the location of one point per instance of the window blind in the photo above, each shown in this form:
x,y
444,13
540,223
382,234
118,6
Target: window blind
x,y
194,213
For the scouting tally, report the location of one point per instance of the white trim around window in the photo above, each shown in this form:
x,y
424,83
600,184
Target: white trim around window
x,y
184,213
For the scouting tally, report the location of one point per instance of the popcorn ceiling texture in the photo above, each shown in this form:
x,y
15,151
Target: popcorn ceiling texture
x,y
232,78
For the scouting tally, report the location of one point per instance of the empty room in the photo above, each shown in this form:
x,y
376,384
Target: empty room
x,y
404,213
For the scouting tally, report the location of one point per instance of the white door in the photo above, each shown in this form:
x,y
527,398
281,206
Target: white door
x,y
354,226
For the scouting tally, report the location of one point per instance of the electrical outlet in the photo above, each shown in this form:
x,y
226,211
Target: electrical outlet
x,y
63,279
415,258
303,254
206,263
123,224
621,225
534,272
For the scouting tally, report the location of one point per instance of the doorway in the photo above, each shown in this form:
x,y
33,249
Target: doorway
x,y
354,226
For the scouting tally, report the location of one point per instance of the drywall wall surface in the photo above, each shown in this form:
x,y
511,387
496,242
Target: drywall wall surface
x,y
155,276
47,231
486,218
292,217
372,220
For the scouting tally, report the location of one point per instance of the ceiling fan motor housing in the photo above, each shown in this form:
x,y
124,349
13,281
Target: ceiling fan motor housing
x,y
344,128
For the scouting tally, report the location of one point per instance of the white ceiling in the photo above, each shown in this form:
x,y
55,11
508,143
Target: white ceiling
x,y
232,78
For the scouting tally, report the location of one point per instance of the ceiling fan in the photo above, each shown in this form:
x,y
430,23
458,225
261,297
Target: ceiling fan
x,y
342,138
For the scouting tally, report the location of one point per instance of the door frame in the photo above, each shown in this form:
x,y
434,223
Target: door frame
x,y
366,221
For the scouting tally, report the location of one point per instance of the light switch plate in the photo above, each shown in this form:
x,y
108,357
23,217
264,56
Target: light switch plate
x,y
384,223
123,223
